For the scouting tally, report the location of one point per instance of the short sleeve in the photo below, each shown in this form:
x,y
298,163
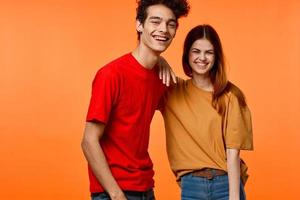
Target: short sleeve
x,y
162,102
168,91
238,125
104,94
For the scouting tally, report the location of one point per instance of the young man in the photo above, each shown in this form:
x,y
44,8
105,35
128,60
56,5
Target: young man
x,y
125,94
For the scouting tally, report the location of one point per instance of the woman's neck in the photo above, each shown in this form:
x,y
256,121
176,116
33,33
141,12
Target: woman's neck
x,y
202,82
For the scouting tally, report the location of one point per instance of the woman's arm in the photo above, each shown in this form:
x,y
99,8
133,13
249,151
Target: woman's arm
x,y
233,166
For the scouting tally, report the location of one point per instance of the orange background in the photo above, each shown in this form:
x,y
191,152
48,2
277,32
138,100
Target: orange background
x,y
51,49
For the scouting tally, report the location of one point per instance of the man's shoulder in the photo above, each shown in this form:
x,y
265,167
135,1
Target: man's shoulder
x,y
114,67
117,63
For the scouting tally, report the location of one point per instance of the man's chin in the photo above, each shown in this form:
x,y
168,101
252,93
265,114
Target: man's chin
x,y
160,49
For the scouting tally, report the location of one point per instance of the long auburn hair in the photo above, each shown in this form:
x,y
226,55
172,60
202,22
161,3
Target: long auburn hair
x,y
217,74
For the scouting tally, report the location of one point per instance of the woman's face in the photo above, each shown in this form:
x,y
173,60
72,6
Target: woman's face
x,y
201,56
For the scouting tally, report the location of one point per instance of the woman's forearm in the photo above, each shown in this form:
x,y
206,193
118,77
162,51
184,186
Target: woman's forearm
x,y
233,166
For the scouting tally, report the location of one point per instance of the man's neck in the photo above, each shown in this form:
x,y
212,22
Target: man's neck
x,y
145,56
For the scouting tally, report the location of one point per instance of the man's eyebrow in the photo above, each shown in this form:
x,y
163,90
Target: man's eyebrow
x,y
173,20
155,17
159,18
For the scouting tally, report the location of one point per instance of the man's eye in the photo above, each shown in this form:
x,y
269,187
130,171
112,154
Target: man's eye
x,y
172,25
155,22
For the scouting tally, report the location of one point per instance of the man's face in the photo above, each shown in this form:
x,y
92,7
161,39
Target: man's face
x,y
159,28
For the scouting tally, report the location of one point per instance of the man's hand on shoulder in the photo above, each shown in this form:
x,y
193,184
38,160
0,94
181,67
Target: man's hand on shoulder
x,y
165,71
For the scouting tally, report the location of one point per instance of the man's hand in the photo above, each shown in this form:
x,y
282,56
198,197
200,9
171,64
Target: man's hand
x,y
165,72
95,156
118,196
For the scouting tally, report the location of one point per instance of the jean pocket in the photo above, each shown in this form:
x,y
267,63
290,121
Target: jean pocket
x,y
101,196
242,192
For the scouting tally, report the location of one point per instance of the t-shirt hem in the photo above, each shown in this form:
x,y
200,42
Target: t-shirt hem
x,y
143,189
239,147
100,119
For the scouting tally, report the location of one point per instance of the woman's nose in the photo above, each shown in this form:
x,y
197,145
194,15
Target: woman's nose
x,y
202,56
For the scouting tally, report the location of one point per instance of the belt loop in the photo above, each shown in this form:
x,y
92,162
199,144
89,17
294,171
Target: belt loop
x,y
213,172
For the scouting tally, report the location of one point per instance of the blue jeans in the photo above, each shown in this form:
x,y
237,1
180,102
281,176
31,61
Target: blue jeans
x,y
198,188
130,195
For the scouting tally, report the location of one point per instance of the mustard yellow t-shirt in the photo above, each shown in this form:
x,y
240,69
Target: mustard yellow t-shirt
x,y
195,135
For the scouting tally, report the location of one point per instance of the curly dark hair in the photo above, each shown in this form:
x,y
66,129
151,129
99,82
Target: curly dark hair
x,y
179,7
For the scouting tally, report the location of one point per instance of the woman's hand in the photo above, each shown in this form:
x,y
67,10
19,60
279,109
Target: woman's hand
x,y
165,72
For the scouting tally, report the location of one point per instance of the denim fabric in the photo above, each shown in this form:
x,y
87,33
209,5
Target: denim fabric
x,y
129,195
198,188
100,196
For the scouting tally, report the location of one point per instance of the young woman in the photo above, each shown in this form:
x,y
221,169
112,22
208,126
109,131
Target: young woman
x,y
207,123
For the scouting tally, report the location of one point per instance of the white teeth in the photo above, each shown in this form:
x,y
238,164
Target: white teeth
x,y
160,38
202,64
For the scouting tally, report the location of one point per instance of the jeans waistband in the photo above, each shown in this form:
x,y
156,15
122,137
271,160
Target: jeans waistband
x,y
208,173
130,193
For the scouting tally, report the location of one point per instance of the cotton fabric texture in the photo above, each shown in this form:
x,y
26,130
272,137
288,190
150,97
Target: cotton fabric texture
x,y
125,96
196,137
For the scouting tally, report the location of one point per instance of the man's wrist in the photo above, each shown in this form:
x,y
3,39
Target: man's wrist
x,y
116,194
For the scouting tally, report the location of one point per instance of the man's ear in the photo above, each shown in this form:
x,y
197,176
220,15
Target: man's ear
x,y
139,26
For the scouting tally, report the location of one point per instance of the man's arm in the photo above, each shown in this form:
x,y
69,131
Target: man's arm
x,y
233,166
165,72
96,159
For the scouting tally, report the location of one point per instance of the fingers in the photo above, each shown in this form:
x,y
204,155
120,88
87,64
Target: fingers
x,y
168,74
164,75
160,73
173,77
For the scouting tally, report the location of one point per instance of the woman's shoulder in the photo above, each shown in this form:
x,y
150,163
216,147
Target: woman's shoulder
x,y
235,94
180,80
179,83
179,87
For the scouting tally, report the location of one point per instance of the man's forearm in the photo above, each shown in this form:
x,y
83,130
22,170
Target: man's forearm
x,y
97,161
233,166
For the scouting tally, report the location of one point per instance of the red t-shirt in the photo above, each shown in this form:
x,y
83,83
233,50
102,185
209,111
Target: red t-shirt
x,y
125,96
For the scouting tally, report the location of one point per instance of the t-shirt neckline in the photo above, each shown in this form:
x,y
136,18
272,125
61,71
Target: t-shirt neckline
x,y
190,81
139,66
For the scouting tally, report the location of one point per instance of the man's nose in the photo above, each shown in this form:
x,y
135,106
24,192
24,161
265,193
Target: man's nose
x,y
163,27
